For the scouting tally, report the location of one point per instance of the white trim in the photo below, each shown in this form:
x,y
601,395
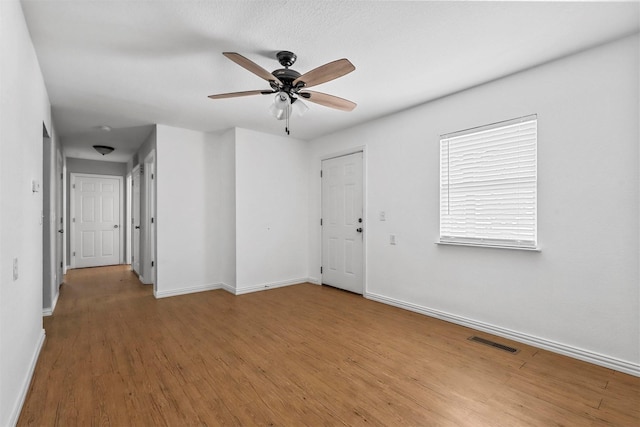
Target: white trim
x,y
478,245
556,347
266,286
185,291
15,414
314,280
229,288
49,311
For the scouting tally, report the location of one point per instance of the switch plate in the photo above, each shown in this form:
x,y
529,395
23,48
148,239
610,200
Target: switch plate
x,y
383,216
393,239
15,269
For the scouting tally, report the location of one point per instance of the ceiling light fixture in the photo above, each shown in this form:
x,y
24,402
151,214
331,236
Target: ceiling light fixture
x,y
284,104
103,149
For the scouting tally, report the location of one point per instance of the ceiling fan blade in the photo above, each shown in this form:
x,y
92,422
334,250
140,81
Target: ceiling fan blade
x,y
238,94
251,66
325,73
328,100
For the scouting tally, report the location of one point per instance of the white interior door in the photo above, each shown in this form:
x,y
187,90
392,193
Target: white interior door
x,y
135,220
342,223
96,220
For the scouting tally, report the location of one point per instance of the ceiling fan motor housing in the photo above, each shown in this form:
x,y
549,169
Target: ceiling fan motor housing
x,y
286,76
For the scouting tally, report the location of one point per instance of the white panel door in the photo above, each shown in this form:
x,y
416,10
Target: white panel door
x,y
135,220
342,223
96,221
59,219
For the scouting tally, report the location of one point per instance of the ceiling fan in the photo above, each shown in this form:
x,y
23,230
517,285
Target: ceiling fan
x,y
289,85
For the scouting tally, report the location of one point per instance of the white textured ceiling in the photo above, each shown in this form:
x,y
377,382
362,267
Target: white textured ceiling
x,y
129,64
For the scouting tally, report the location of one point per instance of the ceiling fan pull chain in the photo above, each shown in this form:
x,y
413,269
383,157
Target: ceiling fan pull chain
x,y
287,111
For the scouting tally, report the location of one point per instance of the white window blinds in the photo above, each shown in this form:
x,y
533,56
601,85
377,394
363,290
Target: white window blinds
x,y
488,185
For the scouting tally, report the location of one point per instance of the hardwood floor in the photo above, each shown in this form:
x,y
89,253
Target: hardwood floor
x,y
299,355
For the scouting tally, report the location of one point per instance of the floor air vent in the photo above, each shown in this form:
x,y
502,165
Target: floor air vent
x,y
494,344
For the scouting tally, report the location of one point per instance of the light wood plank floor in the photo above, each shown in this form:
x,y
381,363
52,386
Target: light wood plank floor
x,y
300,355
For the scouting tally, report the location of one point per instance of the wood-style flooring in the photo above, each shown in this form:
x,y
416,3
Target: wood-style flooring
x,y
293,356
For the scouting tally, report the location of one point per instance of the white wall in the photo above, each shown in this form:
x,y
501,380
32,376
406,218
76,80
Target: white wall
x,y
226,166
580,294
271,210
186,216
24,107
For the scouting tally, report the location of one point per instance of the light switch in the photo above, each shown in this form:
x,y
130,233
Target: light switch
x,y
393,240
383,216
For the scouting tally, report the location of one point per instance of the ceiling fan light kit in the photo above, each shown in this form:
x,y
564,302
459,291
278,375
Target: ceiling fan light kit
x,y
289,85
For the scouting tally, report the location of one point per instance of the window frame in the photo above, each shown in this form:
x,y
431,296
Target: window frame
x,y
447,231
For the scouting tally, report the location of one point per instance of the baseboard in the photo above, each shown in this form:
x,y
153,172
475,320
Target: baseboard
x,y
228,288
15,414
184,291
314,280
48,311
272,285
576,353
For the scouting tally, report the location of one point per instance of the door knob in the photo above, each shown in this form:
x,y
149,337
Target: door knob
x,y
359,230
60,231
115,226
137,227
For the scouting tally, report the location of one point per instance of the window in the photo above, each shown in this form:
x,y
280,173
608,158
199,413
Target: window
x,y
488,185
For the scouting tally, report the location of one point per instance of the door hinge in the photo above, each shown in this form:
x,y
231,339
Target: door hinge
x,y
320,173
61,176
321,270
320,222
60,264
153,263
74,253
73,186
74,220
152,220
152,176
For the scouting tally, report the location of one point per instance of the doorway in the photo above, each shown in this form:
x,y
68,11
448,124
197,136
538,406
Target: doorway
x,y
52,222
135,221
343,222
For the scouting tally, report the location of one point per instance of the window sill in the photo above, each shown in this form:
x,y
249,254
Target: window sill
x,y
477,245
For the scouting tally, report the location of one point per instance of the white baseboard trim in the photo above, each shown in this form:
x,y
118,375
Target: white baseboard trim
x,y
265,286
49,310
15,414
184,291
576,353
314,280
228,288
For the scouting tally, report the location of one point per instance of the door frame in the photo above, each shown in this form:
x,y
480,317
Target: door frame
x,y
358,149
72,208
150,176
136,176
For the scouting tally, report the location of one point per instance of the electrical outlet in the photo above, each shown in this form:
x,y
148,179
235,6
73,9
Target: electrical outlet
x,y
393,239
15,269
